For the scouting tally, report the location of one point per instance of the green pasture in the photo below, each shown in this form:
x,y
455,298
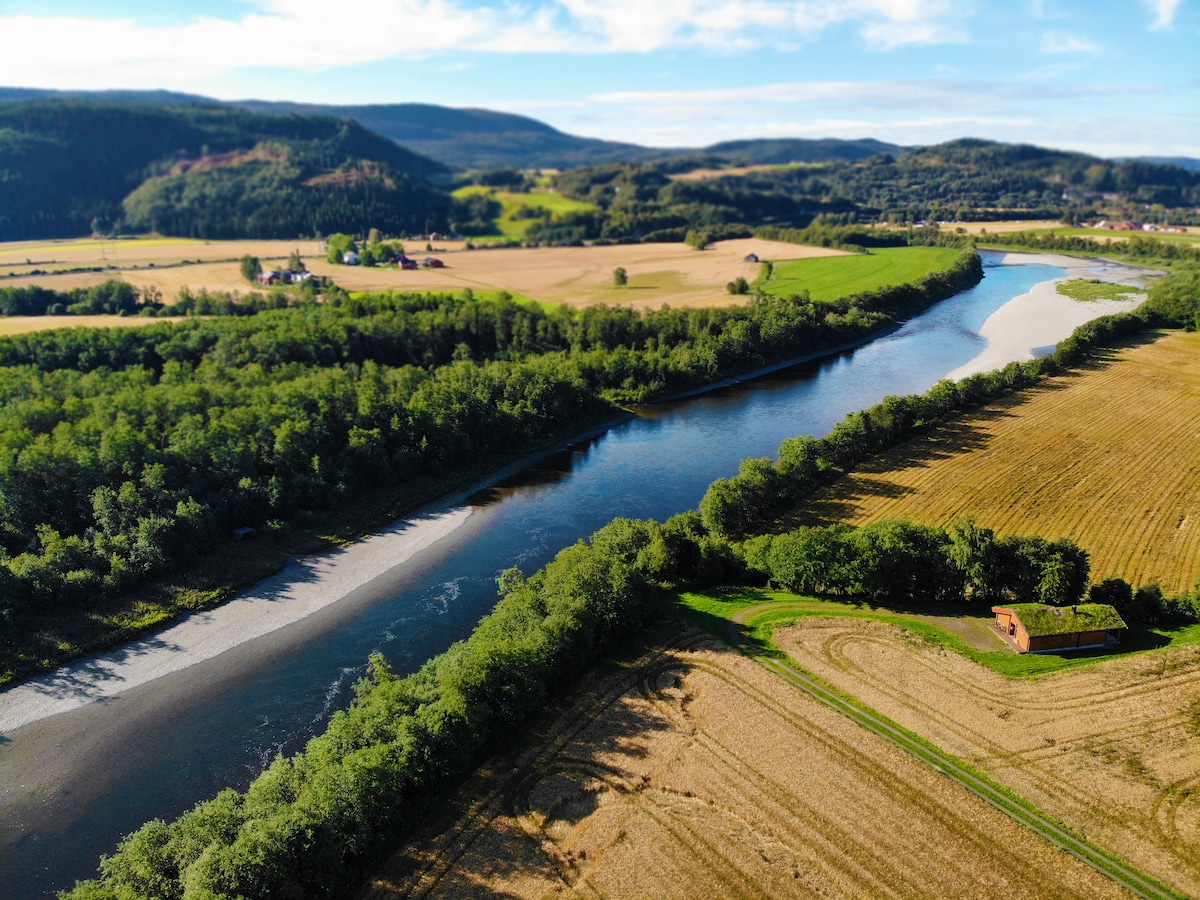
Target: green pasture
x,y
829,278
714,612
510,223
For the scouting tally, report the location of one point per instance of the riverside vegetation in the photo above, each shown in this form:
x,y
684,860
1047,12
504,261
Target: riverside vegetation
x,y
126,454
310,825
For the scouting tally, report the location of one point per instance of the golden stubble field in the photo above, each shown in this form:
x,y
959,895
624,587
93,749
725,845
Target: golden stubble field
x,y
692,772
1109,457
1113,749
672,274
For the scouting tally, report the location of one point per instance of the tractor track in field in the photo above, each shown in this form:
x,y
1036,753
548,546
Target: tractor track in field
x,y
1108,865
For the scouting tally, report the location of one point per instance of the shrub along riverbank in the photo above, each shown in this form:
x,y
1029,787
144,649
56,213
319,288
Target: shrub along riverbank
x,y
312,824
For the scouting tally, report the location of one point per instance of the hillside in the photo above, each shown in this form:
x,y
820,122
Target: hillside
x,y
69,166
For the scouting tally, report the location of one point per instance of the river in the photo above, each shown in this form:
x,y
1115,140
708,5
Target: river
x,y
72,783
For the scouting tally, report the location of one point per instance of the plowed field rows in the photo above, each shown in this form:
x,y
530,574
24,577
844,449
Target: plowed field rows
x,y
1110,458
694,772
1113,749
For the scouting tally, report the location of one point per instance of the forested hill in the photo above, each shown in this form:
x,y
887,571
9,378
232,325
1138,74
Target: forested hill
x,y
781,151
486,139
476,138
67,166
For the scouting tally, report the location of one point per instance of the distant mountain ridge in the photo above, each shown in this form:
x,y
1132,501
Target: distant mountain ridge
x,y
486,139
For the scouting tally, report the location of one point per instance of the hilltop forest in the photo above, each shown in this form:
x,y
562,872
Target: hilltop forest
x,y
73,167
69,168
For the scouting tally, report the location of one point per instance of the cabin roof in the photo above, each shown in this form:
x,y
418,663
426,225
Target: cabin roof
x,y
1041,620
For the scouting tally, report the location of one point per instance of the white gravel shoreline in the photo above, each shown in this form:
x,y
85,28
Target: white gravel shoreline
x,y
1043,317
305,585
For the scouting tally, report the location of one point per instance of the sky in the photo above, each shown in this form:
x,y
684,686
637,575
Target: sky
x,y
1109,77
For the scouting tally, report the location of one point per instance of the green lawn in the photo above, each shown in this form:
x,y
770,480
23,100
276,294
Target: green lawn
x,y
832,277
713,612
510,223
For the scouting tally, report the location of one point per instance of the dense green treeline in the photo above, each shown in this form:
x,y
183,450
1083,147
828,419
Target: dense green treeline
x,y
128,453
312,825
963,180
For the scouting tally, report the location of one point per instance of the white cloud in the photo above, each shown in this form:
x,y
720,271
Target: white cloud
x,y
1056,42
315,35
1164,12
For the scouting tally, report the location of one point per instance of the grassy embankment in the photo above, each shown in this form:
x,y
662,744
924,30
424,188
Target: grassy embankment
x,y
511,224
831,278
714,612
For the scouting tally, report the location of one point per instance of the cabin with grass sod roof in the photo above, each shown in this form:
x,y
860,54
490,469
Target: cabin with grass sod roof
x,y
1038,628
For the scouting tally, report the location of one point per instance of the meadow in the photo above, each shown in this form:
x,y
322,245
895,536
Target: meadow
x,y
1106,457
856,273
514,219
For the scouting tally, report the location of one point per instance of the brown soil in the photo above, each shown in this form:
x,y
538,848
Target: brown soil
x,y
692,772
1112,749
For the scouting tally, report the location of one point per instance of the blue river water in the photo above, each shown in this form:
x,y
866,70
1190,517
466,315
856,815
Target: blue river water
x,y
155,750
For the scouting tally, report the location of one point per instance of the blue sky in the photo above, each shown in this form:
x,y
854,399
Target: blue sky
x,y
1111,77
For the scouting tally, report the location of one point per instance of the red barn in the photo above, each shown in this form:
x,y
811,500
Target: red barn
x,y
1037,628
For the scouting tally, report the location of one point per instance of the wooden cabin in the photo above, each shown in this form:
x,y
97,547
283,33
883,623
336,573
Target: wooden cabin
x,y
1038,628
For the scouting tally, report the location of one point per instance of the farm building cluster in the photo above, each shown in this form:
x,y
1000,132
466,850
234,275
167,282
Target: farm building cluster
x,y
284,276
351,258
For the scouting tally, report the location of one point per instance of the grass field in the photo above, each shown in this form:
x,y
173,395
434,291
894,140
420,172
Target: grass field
x,y
659,274
510,223
830,279
690,771
1107,457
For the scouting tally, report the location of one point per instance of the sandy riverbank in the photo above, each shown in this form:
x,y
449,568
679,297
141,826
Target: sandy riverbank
x,y
305,586
1027,324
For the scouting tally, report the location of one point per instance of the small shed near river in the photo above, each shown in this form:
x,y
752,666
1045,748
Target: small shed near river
x,y
1038,628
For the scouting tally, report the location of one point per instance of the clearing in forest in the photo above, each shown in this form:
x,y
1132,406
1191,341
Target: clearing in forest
x,y
518,211
1106,456
645,785
1112,749
856,273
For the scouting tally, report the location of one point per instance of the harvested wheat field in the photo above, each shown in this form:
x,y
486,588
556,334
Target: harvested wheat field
x,y
1112,749
693,772
673,274
27,324
1109,457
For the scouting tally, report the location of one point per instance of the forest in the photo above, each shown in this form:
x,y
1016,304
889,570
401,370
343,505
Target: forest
x,y
312,824
67,166
965,180
129,452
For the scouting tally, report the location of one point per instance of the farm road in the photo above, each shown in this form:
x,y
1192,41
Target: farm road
x,y
1107,865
